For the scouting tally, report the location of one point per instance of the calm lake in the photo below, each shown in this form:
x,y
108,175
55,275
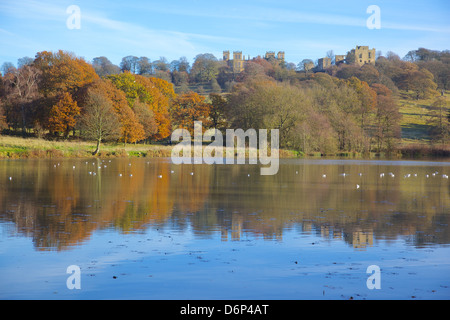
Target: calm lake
x,y
148,229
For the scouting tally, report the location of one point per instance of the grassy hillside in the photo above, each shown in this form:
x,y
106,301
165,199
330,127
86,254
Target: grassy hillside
x,y
415,118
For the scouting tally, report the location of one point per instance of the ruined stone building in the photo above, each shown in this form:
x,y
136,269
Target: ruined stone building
x,y
323,64
237,64
339,59
364,55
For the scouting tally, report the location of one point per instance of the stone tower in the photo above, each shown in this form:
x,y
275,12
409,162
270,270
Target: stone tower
x,y
226,55
323,63
364,55
238,62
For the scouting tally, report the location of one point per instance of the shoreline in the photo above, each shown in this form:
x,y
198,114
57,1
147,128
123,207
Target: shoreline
x,y
35,148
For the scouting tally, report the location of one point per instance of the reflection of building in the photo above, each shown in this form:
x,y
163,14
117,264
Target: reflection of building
x,y
362,239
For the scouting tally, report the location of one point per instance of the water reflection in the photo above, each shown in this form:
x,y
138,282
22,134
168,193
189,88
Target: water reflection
x,y
60,203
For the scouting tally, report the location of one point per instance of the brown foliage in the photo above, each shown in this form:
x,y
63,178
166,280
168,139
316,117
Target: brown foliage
x,y
63,114
190,107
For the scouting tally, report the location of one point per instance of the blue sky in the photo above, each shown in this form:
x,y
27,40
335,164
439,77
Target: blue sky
x,y
303,29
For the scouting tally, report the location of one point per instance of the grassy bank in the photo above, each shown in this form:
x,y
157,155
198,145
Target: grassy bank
x,y
29,148
414,143
34,148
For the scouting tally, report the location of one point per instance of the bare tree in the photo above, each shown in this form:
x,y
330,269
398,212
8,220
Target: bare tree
x,y
99,121
21,87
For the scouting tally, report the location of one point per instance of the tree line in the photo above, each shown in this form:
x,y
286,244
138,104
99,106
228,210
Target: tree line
x,y
345,108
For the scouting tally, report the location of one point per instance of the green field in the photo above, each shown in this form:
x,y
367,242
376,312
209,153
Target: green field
x,y
415,118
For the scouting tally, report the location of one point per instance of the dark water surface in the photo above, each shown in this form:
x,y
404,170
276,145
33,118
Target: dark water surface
x,y
148,229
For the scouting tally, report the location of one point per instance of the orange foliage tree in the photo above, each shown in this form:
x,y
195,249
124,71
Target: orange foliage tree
x,y
63,71
190,107
63,115
162,95
131,130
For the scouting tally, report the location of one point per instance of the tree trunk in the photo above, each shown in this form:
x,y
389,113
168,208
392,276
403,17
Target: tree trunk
x,y
97,149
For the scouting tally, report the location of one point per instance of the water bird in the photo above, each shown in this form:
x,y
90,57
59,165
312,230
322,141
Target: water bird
x,y
344,174
171,171
360,174
357,186
445,176
248,175
120,174
427,176
324,176
131,175
90,172
10,178
74,167
381,175
160,176
192,173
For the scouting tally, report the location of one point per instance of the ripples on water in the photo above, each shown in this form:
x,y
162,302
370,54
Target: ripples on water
x,y
200,231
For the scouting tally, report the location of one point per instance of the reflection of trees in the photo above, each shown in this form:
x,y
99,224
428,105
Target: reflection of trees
x,y
61,206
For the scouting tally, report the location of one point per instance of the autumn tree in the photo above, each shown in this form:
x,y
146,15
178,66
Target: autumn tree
x,y
162,95
188,108
131,130
63,115
133,90
63,72
99,122
439,121
146,118
367,98
205,68
387,120
104,67
3,123
218,111
422,83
